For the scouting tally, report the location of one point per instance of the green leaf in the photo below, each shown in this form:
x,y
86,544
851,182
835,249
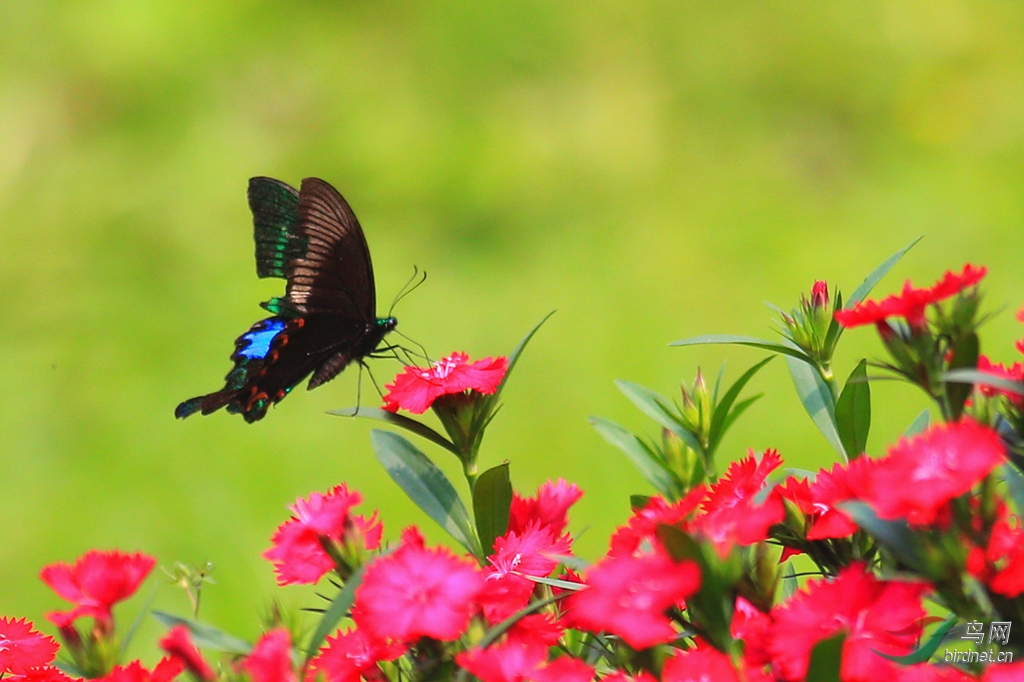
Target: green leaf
x,y
788,583
340,606
641,456
555,582
878,273
426,485
720,419
486,410
826,659
399,420
732,339
816,397
973,376
638,502
737,411
130,635
927,649
853,411
919,425
965,356
492,500
206,636
656,407
896,536
1015,483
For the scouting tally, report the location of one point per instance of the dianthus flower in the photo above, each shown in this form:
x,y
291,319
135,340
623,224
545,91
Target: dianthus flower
x,y
178,645
166,670
642,526
271,658
873,614
417,592
550,507
96,582
911,302
22,648
1003,672
628,596
298,554
352,657
831,487
532,552
416,389
730,514
518,661
702,664
921,474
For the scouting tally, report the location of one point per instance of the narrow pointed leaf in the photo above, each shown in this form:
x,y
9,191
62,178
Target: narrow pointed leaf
x,y
485,412
826,659
492,500
426,485
816,397
974,376
1015,483
753,342
206,636
878,273
340,606
925,651
656,407
641,456
720,419
919,425
853,411
737,411
399,420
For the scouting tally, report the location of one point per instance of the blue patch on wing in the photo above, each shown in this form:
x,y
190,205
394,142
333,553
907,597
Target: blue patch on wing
x,y
259,339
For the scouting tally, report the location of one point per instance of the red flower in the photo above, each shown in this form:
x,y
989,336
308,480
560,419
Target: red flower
x,y
921,474
550,507
417,592
297,553
271,658
730,514
911,303
416,389
22,648
178,644
96,582
533,552
828,490
819,294
628,596
702,664
628,539
1004,672
352,657
751,626
518,661
623,677
871,612
165,671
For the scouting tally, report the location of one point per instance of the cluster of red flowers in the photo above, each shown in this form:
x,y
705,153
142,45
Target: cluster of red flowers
x,y
520,614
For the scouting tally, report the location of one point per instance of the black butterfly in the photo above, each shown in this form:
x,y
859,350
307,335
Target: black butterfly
x,y
327,317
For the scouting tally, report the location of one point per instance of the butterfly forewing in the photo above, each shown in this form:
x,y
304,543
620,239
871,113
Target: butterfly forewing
x,y
335,274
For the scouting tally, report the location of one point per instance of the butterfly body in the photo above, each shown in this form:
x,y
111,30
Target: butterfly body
x,y
327,318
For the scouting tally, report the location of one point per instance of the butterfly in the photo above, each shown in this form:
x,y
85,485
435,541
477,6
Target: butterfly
x,y
327,317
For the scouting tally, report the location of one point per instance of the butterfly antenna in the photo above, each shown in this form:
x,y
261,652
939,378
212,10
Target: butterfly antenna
x,y
423,351
410,286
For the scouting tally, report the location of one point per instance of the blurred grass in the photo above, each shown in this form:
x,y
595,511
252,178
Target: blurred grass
x,y
653,171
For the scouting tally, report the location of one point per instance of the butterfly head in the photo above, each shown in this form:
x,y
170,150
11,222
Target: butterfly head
x,y
386,324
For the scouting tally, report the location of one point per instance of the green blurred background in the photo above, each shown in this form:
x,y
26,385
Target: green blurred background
x,y
653,170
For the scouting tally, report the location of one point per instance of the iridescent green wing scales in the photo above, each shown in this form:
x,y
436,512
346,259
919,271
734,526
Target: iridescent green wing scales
x,y
275,216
